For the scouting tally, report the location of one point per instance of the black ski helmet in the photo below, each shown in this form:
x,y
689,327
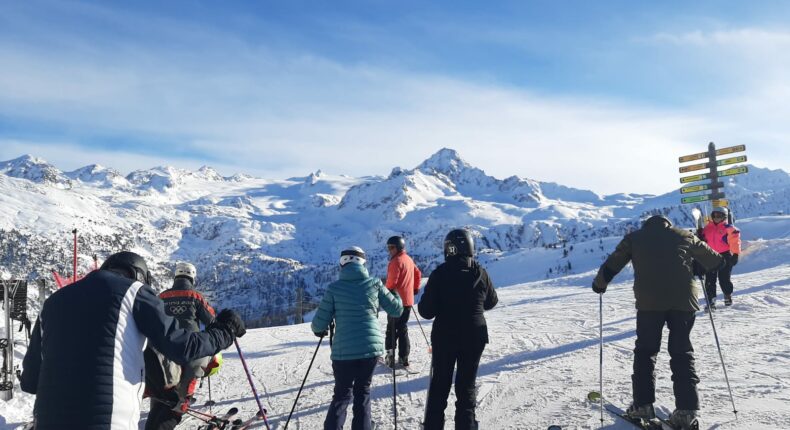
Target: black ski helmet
x,y
459,242
656,219
130,265
398,242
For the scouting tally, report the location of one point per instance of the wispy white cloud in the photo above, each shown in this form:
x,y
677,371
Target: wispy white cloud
x,y
252,108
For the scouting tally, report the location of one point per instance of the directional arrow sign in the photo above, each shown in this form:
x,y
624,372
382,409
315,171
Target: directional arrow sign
x,y
722,151
703,187
733,160
694,167
734,171
702,198
692,157
704,176
731,150
694,178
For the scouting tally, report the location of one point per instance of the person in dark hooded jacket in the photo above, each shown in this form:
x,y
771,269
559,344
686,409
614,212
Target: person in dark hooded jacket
x,y
85,360
666,294
457,294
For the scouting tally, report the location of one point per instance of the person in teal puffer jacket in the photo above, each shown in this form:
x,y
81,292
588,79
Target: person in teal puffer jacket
x,y
353,303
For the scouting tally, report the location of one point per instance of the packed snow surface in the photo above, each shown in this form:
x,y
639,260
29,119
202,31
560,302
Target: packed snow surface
x,y
543,358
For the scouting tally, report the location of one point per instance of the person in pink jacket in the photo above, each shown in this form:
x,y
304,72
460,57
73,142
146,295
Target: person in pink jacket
x,y
404,277
725,239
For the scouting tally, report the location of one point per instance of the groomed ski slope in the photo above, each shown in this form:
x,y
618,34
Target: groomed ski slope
x,y
542,360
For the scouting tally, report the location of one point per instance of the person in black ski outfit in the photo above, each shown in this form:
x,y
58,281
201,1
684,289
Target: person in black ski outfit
x,y
171,386
664,268
457,294
85,360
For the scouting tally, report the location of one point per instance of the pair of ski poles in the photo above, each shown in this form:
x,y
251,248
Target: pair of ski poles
x,y
310,366
394,379
715,335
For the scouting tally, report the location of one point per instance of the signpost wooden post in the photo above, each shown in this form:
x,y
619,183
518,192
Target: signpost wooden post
x,y
716,195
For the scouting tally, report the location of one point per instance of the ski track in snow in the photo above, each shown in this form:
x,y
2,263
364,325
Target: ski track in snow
x,y
542,361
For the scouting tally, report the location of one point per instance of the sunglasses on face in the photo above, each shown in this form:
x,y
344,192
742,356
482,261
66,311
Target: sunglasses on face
x,y
390,246
718,216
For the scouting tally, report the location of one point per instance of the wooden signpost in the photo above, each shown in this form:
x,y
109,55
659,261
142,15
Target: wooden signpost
x,y
713,187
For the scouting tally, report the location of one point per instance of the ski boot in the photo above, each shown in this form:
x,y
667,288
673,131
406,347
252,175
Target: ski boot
x,y
711,306
404,361
389,359
684,419
728,300
644,414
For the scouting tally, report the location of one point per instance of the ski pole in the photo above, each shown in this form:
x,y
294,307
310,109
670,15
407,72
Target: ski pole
x,y
210,400
600,350
252,385
718,347
430,348
394,380
303,381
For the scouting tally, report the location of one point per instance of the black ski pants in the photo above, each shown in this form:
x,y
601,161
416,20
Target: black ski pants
x,y
400,325
723,276
649,327
162,416
351,376
466,355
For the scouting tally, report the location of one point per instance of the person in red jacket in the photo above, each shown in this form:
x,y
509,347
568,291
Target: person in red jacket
x,y
404,277
725,239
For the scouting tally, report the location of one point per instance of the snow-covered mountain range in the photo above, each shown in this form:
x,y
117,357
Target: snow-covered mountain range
x,y
256,241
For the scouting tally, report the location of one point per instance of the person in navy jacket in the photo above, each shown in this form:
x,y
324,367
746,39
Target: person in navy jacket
x,y
85,360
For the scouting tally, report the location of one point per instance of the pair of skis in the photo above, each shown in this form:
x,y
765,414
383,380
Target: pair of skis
x,y
658,423
227,421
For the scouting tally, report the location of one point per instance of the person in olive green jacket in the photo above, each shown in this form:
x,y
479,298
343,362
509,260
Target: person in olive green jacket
x,y
353,303
664,269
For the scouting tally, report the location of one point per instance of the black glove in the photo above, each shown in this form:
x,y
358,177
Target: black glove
x,y
231,321
698,269
321,333
734,260
598,287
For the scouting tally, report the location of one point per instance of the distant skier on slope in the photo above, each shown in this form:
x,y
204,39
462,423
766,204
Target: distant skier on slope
x,y
404,277
353,302
663,259
172,385
457,294
85,361
725,239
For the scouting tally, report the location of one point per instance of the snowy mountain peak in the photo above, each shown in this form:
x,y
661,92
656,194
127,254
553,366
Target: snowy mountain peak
x,y
36,170
98,175
313,178
209,174
446,161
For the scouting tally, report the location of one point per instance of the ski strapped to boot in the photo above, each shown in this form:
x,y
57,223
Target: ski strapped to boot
x,y
213,422
596,398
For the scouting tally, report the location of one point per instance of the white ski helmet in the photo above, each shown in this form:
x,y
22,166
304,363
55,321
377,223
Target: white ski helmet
x,y
720,209
352,254
185,269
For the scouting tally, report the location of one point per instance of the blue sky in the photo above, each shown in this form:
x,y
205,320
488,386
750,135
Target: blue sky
x,y
582,93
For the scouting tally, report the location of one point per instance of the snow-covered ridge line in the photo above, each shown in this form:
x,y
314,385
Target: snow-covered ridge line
x,y
255,241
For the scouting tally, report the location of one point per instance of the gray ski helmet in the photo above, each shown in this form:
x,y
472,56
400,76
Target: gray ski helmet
x,y
720,209
398,242
130,265
184,269
459,242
